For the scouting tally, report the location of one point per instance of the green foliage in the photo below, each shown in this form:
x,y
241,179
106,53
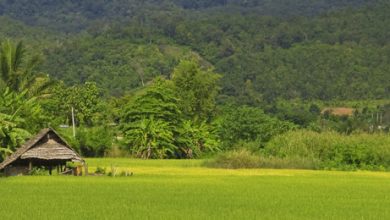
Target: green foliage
x,y
20,113
196,90
18,105
100,170
258,56
238,159
96,58
154,126
158,101
333,150
249,124
268,58
94,142
11,135
19,116
295,111
195,140
150,138
19,71
149,122
89,108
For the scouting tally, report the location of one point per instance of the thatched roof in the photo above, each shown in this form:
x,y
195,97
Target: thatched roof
x,y
49,150
339,111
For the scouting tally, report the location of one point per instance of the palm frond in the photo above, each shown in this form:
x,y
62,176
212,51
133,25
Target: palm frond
x,y
18,54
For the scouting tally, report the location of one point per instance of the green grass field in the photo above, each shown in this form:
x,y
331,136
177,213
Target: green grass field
x,y
185,190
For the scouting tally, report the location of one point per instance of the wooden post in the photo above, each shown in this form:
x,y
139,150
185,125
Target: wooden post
x,y
50,168
86,169
30,165
73,123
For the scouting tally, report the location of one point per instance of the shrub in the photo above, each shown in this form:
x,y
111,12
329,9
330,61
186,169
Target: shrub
x,y
100,170
236,159
249,124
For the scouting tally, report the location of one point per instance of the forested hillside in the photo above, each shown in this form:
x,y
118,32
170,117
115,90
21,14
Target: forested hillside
x,y
70,15
264,49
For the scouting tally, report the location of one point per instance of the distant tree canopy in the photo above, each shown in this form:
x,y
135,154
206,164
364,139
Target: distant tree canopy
x,y
255,48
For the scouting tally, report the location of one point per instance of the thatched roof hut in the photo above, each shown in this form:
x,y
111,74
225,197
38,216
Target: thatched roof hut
x,y
339,111
47,149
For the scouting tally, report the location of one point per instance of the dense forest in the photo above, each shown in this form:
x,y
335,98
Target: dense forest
x,y
184,79
122,44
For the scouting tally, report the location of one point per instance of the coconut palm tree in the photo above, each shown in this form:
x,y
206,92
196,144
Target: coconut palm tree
x,y
19,72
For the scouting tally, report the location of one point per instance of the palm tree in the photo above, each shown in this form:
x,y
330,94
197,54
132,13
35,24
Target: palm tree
x,y
19,73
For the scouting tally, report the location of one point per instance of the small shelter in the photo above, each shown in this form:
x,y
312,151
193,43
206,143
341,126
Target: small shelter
x,y
338,111
47,149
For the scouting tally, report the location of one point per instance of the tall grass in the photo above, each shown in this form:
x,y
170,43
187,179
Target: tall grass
x,y
334,150
311,150
245,159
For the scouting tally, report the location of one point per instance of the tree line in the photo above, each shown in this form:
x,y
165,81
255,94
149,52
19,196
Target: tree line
x,y
177,116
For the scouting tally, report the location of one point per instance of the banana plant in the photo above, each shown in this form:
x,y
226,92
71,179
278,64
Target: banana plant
x,y
10,135
150,138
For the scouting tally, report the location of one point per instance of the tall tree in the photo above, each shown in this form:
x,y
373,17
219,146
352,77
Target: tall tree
x,y
196,89
150,122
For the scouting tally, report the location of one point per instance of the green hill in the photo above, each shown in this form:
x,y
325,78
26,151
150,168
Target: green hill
x,y
265,50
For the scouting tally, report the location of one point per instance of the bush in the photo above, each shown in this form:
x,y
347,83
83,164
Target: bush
x,y
249,124
100,170
236,159
333,150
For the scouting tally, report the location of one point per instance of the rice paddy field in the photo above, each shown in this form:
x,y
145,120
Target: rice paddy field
x,y
186,190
